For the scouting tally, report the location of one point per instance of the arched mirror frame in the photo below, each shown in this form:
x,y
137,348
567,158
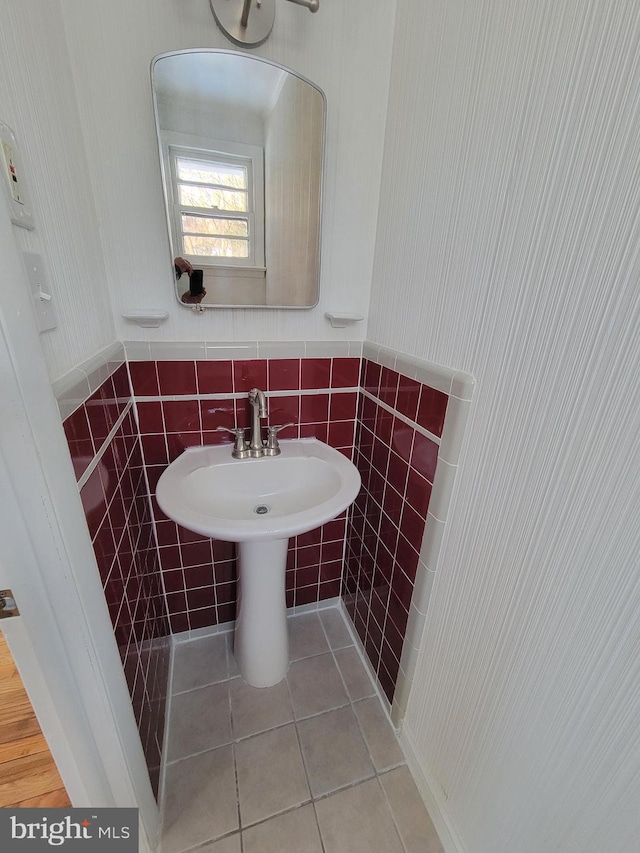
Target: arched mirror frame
x,y
164,178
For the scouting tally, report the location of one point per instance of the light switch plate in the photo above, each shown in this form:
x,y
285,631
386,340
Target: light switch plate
x,y
40,291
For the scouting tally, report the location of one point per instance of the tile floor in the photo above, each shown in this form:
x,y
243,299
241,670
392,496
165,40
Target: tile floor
x,y
311,765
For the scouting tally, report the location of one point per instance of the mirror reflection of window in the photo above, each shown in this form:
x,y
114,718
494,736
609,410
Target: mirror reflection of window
x,y
242,144
215,219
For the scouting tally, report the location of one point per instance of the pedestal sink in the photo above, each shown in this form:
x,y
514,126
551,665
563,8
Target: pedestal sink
x,y
259,503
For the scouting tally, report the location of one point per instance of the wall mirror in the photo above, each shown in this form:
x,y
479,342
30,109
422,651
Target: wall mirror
x,y
241,146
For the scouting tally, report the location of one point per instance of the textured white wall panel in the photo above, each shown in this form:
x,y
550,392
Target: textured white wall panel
x,y
508,242
292,158
37,100
345,49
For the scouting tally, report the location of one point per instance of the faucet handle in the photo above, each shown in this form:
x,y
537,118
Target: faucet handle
x,y
240,447
276,429
272,448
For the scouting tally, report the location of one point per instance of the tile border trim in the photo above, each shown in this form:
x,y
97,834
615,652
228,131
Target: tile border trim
x,y
238,350
75,387
456,383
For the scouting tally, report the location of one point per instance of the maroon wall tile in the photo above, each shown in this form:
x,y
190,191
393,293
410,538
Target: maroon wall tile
x,y
150,417
181,415
397,464
144,378
372,373
118,514
177,377
76,429
389,386
249,374
424,456
214,377
432,409
315,373
283,374
407,397
345,372
284,410
314,408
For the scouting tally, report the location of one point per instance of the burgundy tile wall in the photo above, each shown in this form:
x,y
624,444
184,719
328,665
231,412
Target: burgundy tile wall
x,y
316,394
117,508
397,464
193,584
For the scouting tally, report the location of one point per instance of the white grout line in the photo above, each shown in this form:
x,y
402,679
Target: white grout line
x,y
103,447
400,416
242,395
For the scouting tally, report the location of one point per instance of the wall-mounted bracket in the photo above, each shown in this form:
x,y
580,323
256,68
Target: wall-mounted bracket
x,y
248,23
147,319
8,606
340,321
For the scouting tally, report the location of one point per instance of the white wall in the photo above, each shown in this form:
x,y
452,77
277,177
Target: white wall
x,y
345,49
37,101
508,246
196,117
292,174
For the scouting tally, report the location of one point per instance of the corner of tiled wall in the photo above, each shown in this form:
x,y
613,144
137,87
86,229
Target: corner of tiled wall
x,y
409,431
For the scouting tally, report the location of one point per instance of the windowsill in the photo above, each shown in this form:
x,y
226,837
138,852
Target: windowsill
x,y
226,267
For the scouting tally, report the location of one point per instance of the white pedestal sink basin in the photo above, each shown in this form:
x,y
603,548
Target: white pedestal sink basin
x,y
259,503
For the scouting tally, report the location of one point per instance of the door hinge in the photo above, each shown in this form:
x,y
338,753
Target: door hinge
x,y
8,606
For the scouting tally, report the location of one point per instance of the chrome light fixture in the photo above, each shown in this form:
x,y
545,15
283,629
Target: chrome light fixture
x,y
248,23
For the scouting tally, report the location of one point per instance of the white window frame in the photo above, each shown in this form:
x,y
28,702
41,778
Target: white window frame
x,y
251,156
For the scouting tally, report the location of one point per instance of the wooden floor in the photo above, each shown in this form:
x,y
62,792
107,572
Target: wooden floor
x,y
28,774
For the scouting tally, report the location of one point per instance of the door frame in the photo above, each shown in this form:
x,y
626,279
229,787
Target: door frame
x,y
63,642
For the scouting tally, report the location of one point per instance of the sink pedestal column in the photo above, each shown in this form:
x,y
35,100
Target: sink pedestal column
x,y
261,643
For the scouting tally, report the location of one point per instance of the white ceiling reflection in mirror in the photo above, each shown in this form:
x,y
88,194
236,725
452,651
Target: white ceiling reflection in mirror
x,y
241,143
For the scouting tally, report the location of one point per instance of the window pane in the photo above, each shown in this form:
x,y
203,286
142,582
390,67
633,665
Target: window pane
x,y
215,247
215,225
209,198
208,172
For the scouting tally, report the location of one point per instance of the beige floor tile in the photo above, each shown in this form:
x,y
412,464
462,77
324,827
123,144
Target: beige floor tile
x,y
334,752
356,677
271,776
230,844
379,735
412,819
200,803
315,686
200,720
293,832
335,628
255,709
358,820
306,636
200,662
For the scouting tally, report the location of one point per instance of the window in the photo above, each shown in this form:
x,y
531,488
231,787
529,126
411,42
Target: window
x,y
215,218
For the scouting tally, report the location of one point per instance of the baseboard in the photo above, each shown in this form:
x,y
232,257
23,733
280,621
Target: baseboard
x,y
226,627
448,836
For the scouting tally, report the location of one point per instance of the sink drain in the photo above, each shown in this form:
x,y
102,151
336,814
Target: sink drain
x,y
261,509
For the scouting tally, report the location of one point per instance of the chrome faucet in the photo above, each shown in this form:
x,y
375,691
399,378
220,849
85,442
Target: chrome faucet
x,y
258,404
